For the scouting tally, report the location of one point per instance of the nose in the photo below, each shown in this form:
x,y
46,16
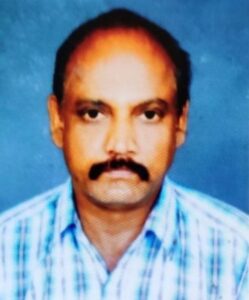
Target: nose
x,y
121,138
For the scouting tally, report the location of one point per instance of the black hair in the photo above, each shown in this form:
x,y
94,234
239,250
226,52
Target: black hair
x,y
126,19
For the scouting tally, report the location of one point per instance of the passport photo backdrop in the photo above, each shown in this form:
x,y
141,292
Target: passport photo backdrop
x,y
215,157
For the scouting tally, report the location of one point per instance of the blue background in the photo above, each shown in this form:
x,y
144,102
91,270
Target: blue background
x,y
215,158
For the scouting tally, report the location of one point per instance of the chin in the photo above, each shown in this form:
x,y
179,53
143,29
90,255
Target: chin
x,y
118,205
121,199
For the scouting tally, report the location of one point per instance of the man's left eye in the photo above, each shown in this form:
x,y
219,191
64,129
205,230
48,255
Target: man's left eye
x,y
150,115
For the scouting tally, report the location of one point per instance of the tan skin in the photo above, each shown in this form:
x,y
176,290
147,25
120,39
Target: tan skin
x,y
119,101
112,233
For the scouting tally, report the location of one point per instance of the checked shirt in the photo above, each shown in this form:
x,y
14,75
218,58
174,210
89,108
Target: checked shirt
x,y
192,247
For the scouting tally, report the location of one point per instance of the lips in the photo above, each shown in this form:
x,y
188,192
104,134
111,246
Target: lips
x,y
120,173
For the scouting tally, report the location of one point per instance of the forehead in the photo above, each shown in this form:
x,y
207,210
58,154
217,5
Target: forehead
x,y
122,64
105,43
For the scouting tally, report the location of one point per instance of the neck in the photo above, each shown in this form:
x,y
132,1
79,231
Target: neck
x,y
111,231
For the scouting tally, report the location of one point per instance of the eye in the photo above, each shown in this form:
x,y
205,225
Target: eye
x,y
151,115
92,115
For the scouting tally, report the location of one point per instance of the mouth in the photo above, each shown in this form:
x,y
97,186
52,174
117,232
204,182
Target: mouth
x,y
120,173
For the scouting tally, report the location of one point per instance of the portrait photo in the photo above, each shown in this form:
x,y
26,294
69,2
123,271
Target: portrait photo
x,y
124,149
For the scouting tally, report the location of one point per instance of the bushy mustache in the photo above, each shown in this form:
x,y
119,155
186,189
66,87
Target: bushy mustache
x,y
97,169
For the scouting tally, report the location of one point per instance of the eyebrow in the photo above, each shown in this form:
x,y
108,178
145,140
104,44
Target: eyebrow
x,y
163,103
81,102
157,101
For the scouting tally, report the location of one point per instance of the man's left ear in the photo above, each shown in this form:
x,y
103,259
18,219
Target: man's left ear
x,y
181,130
56,123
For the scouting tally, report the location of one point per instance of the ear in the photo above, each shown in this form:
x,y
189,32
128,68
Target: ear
x,y
56,122
181,130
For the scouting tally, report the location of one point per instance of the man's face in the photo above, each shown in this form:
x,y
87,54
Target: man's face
x,y
119,104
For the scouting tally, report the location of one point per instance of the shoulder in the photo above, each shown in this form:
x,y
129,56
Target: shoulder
x,y
32,209
212,213
26,233
216,235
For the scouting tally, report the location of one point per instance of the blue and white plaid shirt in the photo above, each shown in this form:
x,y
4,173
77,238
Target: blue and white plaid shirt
x,y
191,247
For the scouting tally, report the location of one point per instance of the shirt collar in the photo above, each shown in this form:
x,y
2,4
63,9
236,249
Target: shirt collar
x,y
162,219
60,216
66,216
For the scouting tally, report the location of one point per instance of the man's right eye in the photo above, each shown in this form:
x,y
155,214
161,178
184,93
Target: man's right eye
x,y
93,113
90,115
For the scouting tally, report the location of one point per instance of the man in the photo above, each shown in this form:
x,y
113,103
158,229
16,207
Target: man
x,y
120,229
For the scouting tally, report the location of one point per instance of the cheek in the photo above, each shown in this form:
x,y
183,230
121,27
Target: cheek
x,y
82,144
157,146
156,138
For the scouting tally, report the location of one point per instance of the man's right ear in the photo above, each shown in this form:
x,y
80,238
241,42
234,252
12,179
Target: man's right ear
x,y
56,122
